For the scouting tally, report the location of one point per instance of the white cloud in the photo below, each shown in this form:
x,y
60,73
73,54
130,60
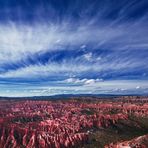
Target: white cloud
x,y
138,87
92,81
88,56
18,41
83,81
83,47
45,88
71,68
75,80
98,58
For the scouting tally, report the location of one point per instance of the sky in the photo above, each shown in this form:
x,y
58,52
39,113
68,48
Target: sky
x,y
50,47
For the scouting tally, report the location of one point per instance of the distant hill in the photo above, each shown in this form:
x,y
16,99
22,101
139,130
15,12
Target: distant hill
x,y
67,96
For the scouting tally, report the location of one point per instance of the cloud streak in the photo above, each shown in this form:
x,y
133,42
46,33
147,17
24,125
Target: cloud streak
x,y
74,44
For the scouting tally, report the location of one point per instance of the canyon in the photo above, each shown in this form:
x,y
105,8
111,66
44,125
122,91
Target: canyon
x,y
75,122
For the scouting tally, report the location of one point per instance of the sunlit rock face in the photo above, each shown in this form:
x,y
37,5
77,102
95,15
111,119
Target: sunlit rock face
x,y
63,123
139,142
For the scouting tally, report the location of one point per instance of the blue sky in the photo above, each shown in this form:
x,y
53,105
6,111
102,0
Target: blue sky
x,y
52,47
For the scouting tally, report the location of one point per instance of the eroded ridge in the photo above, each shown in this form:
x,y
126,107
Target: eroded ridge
x,y
64,123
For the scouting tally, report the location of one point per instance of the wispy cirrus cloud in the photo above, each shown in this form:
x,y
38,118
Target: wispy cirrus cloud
x,y
74,44
17,41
